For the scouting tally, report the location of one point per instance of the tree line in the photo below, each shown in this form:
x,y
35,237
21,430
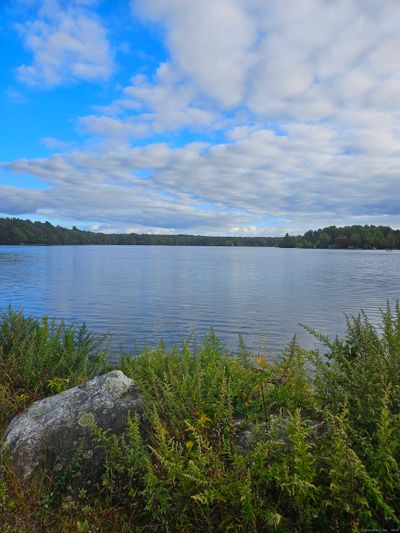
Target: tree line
x,y
17,231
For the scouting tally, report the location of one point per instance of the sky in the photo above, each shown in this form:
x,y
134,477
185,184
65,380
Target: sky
x,y
214,117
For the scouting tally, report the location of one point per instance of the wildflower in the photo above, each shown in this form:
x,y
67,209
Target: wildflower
x,y
261,362
203,420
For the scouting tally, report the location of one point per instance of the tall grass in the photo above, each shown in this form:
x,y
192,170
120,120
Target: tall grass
x,y
307,441
40,357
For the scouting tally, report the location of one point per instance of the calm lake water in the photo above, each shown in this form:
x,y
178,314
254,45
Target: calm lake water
x,y
141,294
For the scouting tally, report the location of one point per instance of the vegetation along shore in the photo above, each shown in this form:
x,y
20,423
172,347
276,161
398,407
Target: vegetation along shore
x,y
307,441
17,231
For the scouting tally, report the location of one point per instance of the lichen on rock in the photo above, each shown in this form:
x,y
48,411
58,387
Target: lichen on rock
x,y
51,432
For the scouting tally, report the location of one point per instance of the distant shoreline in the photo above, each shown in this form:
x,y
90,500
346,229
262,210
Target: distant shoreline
x,y
14,231
36,245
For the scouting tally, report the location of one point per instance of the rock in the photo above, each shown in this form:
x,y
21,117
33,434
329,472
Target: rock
x,y
244,440
55,430
244,437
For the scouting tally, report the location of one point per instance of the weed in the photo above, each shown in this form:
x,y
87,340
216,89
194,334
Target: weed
x,y
323,455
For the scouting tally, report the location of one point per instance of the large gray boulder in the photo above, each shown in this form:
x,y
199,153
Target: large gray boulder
x,y
58,429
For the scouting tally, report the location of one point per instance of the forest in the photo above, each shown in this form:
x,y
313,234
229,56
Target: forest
x,y
17,231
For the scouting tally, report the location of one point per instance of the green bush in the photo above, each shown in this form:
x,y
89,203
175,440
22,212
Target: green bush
x,y
42,357
305,441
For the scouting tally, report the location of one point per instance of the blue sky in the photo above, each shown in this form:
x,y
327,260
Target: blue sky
x,y
248,117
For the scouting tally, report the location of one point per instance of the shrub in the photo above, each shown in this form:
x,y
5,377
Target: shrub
x,y
42,357
322,444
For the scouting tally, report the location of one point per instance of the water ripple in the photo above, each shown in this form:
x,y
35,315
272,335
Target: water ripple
x,y
142,294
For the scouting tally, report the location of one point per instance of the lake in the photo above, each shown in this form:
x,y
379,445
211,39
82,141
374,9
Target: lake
x,y
141,294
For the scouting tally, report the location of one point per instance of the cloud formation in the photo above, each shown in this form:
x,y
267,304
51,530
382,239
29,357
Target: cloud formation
x,y
68,42
268,116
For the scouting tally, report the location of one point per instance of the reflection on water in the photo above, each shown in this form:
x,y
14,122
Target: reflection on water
x,y
144,293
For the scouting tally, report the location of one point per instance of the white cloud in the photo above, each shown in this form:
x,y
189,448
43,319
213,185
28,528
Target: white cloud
x,y
297,59
306,93
306,175
54,144
210,42
146,108
68,43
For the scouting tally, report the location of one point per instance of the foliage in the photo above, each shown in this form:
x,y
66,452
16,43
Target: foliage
x,y
307,441
365,237
41,357
17,231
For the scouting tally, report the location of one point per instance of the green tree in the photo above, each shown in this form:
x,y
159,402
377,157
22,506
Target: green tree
x,y
324,240
355,240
